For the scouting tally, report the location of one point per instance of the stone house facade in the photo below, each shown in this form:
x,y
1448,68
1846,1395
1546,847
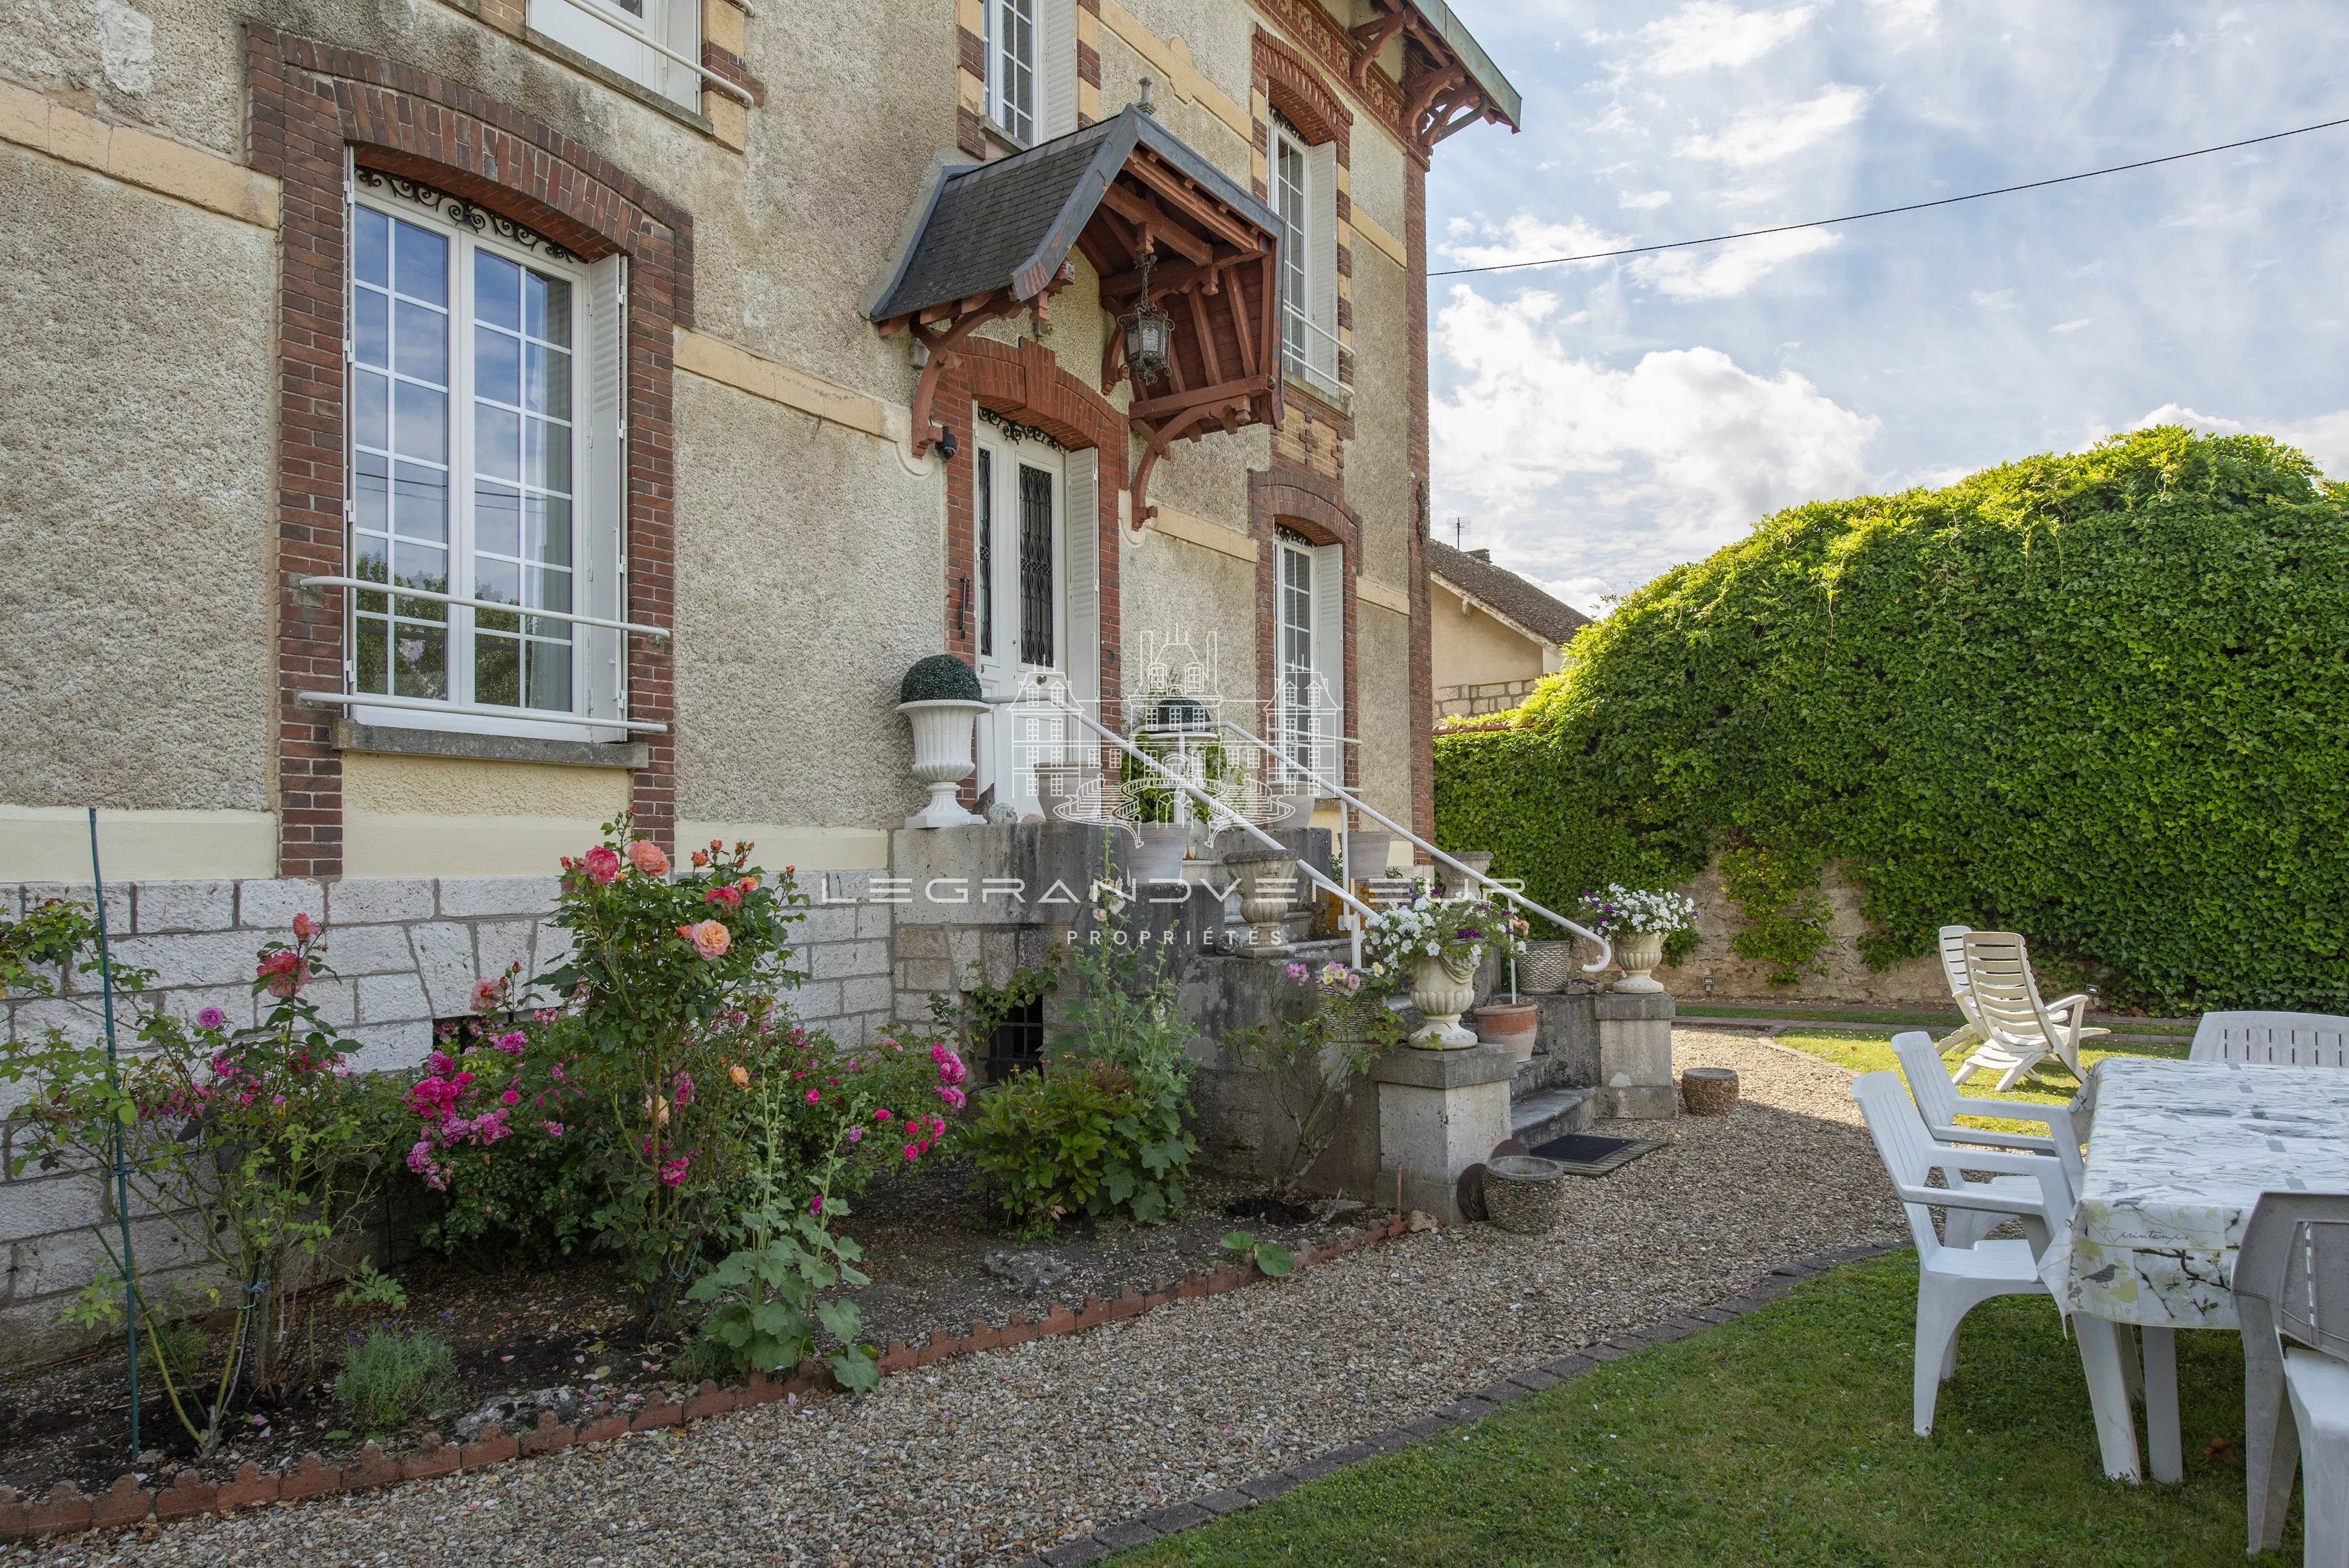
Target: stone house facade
x,y
574,321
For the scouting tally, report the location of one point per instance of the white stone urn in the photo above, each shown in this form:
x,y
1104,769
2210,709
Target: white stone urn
x,y
1442,987
1638,953
943,757
1267,889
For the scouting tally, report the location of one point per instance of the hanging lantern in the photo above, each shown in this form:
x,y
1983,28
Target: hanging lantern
x,y
1149,332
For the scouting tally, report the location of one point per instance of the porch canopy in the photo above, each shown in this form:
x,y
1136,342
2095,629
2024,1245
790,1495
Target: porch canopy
x,y
995,241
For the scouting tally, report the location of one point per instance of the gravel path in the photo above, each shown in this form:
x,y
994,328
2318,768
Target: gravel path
x,y
987,1458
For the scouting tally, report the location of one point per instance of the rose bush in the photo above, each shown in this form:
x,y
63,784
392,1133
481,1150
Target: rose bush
x,y
251,1151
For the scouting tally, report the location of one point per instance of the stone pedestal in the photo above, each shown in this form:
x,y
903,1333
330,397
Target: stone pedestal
x,y
1635,1055
1441,1112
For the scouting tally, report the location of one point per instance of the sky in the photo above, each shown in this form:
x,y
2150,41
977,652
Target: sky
x,y
1597,424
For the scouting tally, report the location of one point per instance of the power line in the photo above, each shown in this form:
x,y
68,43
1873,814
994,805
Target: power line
x,y
1889,211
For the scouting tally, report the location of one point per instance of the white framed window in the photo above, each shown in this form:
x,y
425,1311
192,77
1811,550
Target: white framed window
x,y
487,464
1305,198
647,41
1309,652
1031,68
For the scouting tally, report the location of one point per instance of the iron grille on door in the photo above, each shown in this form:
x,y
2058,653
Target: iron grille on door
x,y
985,497
1035,567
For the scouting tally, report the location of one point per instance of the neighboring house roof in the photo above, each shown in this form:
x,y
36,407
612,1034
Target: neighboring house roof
x,y
1011,222
1502,590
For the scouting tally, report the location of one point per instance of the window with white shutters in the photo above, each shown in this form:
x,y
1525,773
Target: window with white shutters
x,y
1305,199
1031,68
647,41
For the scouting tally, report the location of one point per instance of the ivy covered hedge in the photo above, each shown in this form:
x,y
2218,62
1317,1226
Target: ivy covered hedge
x,y
2100,698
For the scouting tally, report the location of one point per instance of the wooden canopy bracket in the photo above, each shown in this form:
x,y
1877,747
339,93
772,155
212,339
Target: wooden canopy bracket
x,y
944,346
1184,416
1370,39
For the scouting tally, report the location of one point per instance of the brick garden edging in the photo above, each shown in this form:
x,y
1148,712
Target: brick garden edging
x,y
64,1511
1182,1516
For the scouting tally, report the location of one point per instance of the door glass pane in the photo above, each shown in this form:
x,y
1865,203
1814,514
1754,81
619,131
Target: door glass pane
x,y
1035,567
986,486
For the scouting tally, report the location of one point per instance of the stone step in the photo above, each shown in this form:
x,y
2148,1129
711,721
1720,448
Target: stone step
x,y
1552,1113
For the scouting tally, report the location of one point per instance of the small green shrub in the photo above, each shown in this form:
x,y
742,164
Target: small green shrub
x,y
1042,1142
178,1347
391,1376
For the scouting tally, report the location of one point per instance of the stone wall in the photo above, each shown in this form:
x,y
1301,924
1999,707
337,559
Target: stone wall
x,y
1713,971
405,952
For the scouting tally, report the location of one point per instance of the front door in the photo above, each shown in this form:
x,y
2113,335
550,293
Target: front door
x,y
1020,527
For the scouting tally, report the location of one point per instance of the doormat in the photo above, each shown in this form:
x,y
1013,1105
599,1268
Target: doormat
x,y
1586,1154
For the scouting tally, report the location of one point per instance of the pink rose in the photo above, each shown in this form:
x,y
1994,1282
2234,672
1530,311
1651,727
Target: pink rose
x,y
673,1173
912,1153
856,1135
729,896
710,939
211,1018
552,1129
511,1098
305,927
951,1095
285,971
512,1042
487,994
815,1098
881,1116
647,857
602,864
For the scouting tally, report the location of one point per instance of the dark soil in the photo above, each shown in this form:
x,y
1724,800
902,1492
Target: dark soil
x,y
574,1326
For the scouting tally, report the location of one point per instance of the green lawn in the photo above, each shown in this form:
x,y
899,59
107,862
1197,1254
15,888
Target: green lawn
x,y
1783,1437
2050,1082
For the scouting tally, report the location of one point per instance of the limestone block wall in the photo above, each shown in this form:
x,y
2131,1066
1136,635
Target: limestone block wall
x,y
1713,970
405,952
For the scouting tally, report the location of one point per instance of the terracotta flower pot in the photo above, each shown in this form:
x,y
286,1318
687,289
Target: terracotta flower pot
x,y
1516,1024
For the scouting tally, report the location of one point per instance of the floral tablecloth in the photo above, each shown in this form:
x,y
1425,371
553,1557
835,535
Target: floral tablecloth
x,y
2180,1153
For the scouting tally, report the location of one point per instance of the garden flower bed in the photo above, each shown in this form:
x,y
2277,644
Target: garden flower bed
x,y
572,1333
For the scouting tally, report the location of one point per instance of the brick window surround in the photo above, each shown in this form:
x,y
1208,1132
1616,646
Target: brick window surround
x,y
1315,506
1027,384
305,103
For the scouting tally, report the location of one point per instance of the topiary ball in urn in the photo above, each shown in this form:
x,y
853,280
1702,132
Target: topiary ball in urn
x,y
939,698
940,678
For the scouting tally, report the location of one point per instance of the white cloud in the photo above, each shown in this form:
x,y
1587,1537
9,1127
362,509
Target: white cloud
x,y
2073,325
1592,472
1525,238
2324,437
1994,298
1765,136
1707,34
1645,200
1724,272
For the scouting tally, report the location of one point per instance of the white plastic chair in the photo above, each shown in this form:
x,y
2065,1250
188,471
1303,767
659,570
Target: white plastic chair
x,y
1961,991
2018,1029
1940,1105
1952,1281
2272,1039
2292,1296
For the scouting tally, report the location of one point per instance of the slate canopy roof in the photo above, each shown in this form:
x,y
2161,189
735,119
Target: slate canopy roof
x,y
1010,223
993,240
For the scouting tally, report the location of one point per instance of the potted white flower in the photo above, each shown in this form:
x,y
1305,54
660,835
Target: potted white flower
x,y
1636,921
1436,944
939,698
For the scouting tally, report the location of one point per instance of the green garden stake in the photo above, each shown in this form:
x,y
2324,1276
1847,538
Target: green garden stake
x,y
121,1176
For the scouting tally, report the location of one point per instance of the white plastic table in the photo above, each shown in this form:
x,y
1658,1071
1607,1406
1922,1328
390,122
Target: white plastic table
x,y
2180,1153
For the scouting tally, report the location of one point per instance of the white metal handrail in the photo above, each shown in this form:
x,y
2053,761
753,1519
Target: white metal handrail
x,y
707,76
471,709
370,585
1218,812
1606,948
